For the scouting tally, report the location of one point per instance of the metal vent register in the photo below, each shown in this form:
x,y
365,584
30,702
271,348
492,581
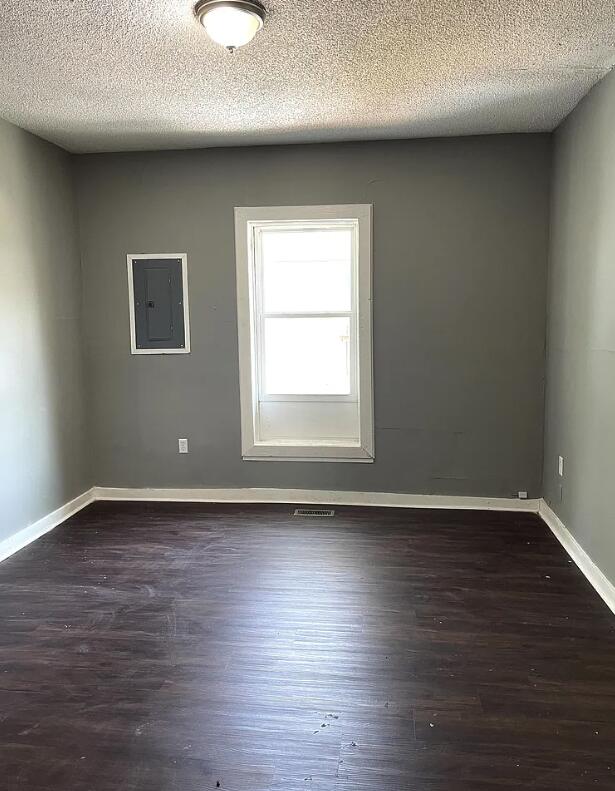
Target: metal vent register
x,y
313,512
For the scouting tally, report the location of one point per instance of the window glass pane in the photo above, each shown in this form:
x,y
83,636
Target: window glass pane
x,y
307,270
307,356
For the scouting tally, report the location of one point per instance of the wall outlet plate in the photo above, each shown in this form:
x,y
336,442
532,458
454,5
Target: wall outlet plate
x,y
182,445
560,466
523,495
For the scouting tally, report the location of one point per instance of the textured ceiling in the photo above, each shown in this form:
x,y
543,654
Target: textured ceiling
x,y
139,74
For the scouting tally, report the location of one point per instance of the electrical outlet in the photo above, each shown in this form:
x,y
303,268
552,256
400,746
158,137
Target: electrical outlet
x,y
523,495
183,445
560,466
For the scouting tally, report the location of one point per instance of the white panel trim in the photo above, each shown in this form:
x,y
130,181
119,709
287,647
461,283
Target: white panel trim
x,y
21,539
131,303
317,496
597,579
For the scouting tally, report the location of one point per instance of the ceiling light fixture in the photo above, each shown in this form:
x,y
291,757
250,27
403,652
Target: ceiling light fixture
x,y
231,23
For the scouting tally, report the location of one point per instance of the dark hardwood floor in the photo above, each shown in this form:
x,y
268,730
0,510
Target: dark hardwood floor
x,y
161,646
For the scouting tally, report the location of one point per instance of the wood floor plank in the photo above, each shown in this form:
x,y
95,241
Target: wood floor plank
x,y
157,646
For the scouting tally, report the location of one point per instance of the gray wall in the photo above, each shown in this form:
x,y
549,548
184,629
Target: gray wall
x,y
580,410
459,314
42,421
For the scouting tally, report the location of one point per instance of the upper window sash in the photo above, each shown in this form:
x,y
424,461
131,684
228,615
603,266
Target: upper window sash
x,y
255,230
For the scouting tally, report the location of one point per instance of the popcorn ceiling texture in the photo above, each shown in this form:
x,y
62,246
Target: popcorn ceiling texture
x,y
142,74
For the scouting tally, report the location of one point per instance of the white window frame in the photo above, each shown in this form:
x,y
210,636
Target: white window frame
x,y
183,257
248,221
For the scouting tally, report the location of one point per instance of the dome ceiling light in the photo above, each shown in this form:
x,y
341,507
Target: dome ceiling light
x,y
231,23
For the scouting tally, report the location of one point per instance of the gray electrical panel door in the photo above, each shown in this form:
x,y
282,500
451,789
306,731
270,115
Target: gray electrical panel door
x,y
158,303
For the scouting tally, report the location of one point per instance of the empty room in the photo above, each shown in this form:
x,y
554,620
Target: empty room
x,y
307,395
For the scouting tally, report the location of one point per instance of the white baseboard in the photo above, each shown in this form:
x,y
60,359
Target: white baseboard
x,y
603,587
317,496
29,534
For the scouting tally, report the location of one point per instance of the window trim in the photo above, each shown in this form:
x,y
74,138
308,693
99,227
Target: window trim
x,y
246,219
183,257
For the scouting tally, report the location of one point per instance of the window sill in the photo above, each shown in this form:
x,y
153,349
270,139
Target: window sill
x,y
308,452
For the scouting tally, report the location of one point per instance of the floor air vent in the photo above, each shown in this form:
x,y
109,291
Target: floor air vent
x,y
314,512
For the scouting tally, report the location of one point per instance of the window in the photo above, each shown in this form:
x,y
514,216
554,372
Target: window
x,y
304,316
